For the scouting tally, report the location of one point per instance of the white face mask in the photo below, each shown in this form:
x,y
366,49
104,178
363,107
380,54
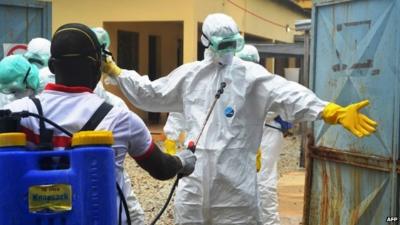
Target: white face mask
x,y
226,58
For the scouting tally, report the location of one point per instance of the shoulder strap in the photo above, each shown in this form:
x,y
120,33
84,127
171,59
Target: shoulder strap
x,y
40,111
46,135
97,117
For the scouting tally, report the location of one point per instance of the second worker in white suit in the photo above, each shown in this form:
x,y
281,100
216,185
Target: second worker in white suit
x,y
223,187
271,146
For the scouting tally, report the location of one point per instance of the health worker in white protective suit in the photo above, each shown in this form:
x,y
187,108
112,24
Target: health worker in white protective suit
x,y
38,54
222,189
271,146
18,78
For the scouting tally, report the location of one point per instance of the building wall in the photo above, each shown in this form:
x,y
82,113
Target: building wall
x,y
169,33
174,19
190,12
96,12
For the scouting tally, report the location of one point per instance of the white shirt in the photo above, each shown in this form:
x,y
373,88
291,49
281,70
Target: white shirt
x,y
71,108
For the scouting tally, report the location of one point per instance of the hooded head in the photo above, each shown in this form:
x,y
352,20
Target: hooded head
x,y
102,36
38,52
249,53
18,76
221,36
75,56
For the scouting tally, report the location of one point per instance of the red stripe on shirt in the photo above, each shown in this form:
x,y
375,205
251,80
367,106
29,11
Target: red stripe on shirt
x,y
58,141
30,136
67,89
147,153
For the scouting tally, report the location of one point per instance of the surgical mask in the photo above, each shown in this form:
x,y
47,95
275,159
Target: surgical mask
x,y
222,59
226,58
221,45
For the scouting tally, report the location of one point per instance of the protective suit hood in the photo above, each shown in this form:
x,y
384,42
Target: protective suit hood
x,y
17,75
221,37
249,53
218,24
38,52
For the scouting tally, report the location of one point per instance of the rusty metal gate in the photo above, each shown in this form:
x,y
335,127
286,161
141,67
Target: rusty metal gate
x,y
355,56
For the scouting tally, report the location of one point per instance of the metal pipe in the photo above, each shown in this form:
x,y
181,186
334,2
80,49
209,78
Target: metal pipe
x,y
361,160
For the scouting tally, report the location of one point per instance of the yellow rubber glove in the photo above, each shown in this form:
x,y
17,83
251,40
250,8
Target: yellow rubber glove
x,y
258,160
354,121
170,146
109,67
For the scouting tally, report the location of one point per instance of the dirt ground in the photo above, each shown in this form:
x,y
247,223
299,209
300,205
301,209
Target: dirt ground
x,y
290,194
152,193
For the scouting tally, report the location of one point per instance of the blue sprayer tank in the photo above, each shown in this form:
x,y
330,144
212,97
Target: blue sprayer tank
x,y
71,187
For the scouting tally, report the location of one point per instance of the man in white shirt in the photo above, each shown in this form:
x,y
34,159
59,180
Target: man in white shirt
x,y
76,61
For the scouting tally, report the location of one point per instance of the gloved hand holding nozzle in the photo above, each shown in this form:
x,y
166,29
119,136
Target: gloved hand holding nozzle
x,y
108,65
188,160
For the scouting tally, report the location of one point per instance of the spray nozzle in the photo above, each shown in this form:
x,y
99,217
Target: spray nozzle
x,y
192,146
220,90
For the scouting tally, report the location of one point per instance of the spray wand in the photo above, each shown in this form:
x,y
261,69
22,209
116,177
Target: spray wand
x,y
192,147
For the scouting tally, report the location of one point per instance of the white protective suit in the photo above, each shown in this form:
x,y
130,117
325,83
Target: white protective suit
x,y
38,52
174,126
222,189
271,146
249,53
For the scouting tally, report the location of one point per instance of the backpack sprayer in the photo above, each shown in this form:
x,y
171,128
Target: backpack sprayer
x,y
62,185
55,187
192,147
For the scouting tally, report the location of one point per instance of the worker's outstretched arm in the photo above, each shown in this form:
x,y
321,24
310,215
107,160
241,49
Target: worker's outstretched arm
x,y
161,95
164,166
350,118
296,103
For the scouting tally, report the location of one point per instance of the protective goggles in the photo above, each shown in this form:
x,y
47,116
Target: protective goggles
x,y
39,61
234,43
15,86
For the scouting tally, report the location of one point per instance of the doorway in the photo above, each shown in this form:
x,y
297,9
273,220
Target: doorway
x,y
128,50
